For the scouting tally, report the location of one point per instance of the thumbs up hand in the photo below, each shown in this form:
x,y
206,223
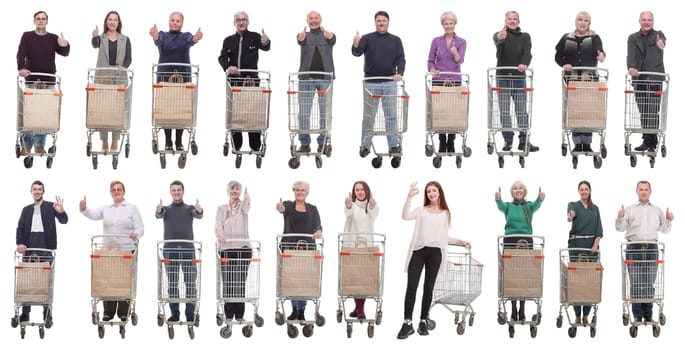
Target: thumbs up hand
x,y
660,42
265,38
154,32
82,204
355,40
61,41
95,32
160,206
198,35
279,206
622,212
669,215
302,34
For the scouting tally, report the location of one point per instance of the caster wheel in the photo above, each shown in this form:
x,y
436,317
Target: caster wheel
x,y
320,320
430,324
122,332
48,162
560,321
533,331
574,160
134,318
328,150
501,318
127,149
662,319
471,319
370,330
219,319
395,162
308,330
101,332
633,161
160,320
23,332
467,151
461,328
593,331
428,150
155,147
280,318
564,149
94,160
226,149
500,161
339,316
17,150
162,161
491,148
626,319
238,160
318,161
258,320
511,331
191,332
652,160
437,162
537,318
292,331
94,317
247,331
626,149
458,162
377,162
225,332
663,151
28,162
597,160
603,151
89,148
633,331
572,332
182,161
115,162
41,332
258,162
379,318
15,322
656,331
349,330
170,330
193,148
294,163
522,161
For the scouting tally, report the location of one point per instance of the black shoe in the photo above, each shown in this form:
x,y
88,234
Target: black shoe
x,y
450,147
648,319
579,147
395,150
507,147
179,147
423,329
300,314
651,149
123,318
169,148
107,318
531,147
304,149
174,318
641,148
363,151
190,318
638,319
319,148
293,315
353,314
522,315
406,330
24,318
442,148
587,148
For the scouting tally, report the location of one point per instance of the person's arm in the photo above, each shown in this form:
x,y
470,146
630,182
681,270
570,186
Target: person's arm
x,y
457,241
159,42
333,40
664,222
461,49
62,217
317,222
560,56
361,48
95,41
432,53
62,50
527,56
502,206
264,46
22,52
196,210
219,225
373,211
223,55
138,227
399,59
535,205
160,211
128,55
93,213
631,55
21,229
622,219
598,48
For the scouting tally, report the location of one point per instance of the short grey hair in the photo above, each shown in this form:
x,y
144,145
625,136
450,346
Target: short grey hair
x,y
239,13
235,184
302,184
177,13
448,15
517,184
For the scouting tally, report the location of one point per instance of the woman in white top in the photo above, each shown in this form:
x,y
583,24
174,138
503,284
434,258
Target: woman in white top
x,y
427,250
361,211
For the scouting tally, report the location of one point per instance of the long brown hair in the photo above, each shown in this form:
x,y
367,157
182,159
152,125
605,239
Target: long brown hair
x,y
367,190
590,204
442,203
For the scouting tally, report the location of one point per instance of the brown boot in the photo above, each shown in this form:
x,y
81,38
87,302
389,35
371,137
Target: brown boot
x,y
40,149
23,151
105,145
115,146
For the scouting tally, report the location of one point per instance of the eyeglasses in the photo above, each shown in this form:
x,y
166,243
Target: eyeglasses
x,y
238,20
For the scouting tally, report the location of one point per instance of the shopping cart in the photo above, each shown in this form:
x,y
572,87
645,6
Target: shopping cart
x,y
108,109
34,281
386,109
510,109
113,275
247,110
179,273
447,112
646,108
299,260
458,286
39,105
580,284
521,265
643,282
237,277
584,109
361,266
309,115
174,106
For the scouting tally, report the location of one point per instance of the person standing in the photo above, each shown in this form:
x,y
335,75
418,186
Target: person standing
x,y
241,51
36,54
178,225
513,50
646,54
642,223
316,55
37,230
383,57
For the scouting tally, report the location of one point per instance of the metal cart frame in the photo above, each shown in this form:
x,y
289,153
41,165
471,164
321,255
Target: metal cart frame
x,y
34,281
580,284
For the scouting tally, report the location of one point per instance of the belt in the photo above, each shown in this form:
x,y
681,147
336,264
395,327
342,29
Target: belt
x,y
642,246
580,236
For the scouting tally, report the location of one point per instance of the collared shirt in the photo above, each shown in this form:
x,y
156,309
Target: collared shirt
x,y
118,220
642,222
37,220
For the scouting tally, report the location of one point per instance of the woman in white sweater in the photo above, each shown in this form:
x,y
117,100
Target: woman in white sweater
x,y
427,251
361,211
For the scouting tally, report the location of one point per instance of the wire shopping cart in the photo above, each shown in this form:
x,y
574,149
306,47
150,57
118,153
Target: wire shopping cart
x,y
179,276
299,260
508,96
108,109
520,277
310,103
361,270
646,109
458,286
584,111
447,112
238,265
386,109
248,97
34,281
174,106
580,285
643,283
114,276
39,105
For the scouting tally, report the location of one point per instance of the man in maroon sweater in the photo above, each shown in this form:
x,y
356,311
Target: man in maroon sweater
x,y
37,54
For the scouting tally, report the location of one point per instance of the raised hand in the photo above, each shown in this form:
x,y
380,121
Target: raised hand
x,y
198,207
279,206
160,206
348,200
301,35
413,191
82,204
61,41
59,204
498,194
669,215
246,196
326,34
372,203
265,38
571,215
355,40
541,194
198,35
502,33
154,32
660,42
96,32
622,212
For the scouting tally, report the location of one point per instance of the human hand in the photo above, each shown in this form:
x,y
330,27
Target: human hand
x,y
669,215
413,191
198,207
316,234
198,35
541,194
600,56
159,206
326,34
498,194
348,201
594,248
622,212
455,53
24,73
246,196
372,203
502,33
567,67
61,41
355,40
154,32
397,77
265,38
232,70
633,72
660,42
133,236
95,32
571,215
59,204
466,244
21,249
302,34
82,204
522,67
279,206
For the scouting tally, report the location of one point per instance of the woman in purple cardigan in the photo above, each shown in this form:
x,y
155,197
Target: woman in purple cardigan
x,y
446,55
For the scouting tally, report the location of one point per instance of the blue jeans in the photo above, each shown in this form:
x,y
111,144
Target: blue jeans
x,y
642,274
33,139
181,259
512,89
307,90
389,93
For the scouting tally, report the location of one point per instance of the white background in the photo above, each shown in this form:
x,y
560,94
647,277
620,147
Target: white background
x,y
469,190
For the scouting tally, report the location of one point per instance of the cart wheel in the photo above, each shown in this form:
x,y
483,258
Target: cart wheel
x,y
258,320
15,322
155,147
219,319
294,163
633,331
258,162
292,331
162,161
491,148
328,150
471,319
349,330
17,150
564,149
626,319
339,316
182,161
500,160
522,161
318,161
467,151
461,328
511,331
377,162
379,318
662,319
94,161
320,320
115,162
89,148
22,332
633,161
560,321
134,318
458,162
238,160
501,318
193,148
280,318
663,151
191,332
594,321
656,331
94,317
437,162
48,162
651,162
370,330
127,149
225,332
428,150
41,332
308,330
226,146
597,160
572,332
28,162
593,331
574,160
603,151
626,149
395,162
160,320
247,331
101,332
170,330
122,332
533,331
430,324
537,318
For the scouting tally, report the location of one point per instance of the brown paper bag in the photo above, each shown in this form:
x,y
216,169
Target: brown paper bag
x,y
106,107
300,274
249,108
584,283
586,105
360,272
450,108
112,274
521,273
33,283
40,109
174,105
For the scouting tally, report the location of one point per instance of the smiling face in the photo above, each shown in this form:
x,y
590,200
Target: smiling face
x,y
433,194
584,191
582,23
177,193
359,192
511,20
234,193
117,192
382,23
37,192
518,192
448,25
314,20
241,21
644,190
300,193
646,21
112,22
175,22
